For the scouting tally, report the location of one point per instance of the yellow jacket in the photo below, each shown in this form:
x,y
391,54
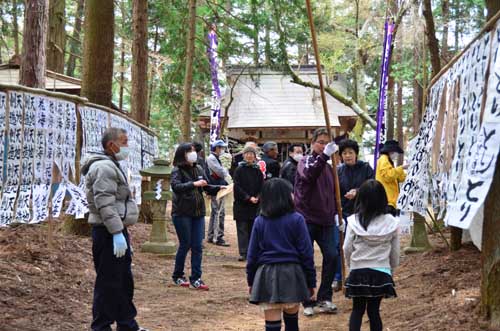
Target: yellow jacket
x,y
390,177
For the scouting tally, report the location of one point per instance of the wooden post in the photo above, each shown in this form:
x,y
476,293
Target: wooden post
x,y
328,127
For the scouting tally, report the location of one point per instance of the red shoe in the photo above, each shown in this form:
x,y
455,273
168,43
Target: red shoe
x,y
199,285
181,281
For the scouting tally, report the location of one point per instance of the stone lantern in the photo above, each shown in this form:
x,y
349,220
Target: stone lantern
x,y
157,194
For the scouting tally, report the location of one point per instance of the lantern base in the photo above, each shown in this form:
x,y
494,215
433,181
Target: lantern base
x,y
419,240
163,248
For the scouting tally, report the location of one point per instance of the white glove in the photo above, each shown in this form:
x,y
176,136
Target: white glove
x,y
330,149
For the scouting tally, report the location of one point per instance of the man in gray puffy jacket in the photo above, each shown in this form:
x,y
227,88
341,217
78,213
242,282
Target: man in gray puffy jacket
x,y
111,210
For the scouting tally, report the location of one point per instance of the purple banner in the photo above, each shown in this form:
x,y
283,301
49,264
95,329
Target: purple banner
x,y
384,78
216,97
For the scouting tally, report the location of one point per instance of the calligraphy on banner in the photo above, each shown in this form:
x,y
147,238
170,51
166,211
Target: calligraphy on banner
x,y
458,142
12,172
3,108
480,155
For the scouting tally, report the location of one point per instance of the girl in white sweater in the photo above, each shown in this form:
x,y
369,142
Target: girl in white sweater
x,y
371,250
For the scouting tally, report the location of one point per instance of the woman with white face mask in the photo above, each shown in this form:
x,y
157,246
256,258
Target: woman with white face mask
x,y
188,181
289,169
389,175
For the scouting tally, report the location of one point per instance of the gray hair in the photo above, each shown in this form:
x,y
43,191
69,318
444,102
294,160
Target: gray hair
x,y
111,134
269,145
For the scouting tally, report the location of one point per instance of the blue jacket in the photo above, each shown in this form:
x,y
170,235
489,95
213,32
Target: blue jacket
x,y
281,240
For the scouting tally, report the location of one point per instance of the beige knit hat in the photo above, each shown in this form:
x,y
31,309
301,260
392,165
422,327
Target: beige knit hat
x,y
250,149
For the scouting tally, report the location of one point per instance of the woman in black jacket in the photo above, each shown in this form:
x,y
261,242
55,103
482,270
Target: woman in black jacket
x,y
352,173
188,181
248,181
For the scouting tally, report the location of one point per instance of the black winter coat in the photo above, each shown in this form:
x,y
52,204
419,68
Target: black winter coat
x,y
272,167
187,200
248,183
351,177
289,170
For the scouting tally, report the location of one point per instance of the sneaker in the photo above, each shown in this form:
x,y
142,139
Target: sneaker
x,y
222,243
327,307
242,258
308,311
337,285
181,281
142,329
199,285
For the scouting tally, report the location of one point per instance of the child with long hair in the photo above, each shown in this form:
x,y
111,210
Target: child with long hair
x,y
371,251
280,264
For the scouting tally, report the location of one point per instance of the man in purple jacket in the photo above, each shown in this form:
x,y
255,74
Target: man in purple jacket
x,y
315,200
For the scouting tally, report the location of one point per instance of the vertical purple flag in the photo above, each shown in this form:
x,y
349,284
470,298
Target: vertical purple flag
x,y
384,77
216,97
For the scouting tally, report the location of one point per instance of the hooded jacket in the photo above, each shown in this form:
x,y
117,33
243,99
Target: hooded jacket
x,y
390,177
314,190
375,247
351,177
108,194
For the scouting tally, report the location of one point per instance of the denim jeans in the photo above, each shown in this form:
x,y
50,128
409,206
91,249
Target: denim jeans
x,y
114,284
325,238
190,232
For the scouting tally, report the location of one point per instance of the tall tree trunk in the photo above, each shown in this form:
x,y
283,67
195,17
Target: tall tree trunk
x,y
56,40
98,51
490,257
140,62
493,6
15,27
490,253
445,7
33,63
456,32
253,9
121,90
188,76
75,47
399,118
418,91
432,42
267,47
389,129
152,71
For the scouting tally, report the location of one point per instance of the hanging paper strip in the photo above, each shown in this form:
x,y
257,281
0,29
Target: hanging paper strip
x,y
3,108
216,96
384,78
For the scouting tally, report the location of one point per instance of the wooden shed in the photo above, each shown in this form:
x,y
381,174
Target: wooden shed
x,y
266,105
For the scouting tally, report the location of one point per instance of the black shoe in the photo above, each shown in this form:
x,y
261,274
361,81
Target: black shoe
x,y
242,258
210,241
222,243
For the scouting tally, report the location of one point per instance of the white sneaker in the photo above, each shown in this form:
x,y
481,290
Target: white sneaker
x,y
308,311
327,307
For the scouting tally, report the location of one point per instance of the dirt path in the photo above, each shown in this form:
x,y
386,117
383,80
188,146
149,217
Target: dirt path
x,y
43,290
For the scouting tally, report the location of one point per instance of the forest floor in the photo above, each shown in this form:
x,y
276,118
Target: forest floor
x,y
51,290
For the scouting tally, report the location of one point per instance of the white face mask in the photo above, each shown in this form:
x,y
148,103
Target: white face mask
x,y
123,153
298,157
191,157
394,156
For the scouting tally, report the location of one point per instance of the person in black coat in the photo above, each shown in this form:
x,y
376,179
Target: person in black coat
x,y
352,173
248,181
270,156
289,169
188,182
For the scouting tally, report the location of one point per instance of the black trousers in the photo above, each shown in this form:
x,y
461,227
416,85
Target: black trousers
x,y
243,232
325,238
114,284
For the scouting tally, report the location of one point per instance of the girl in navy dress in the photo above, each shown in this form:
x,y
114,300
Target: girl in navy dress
x,y
280,264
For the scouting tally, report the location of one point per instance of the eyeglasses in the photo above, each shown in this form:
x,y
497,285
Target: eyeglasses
x,y
321,142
